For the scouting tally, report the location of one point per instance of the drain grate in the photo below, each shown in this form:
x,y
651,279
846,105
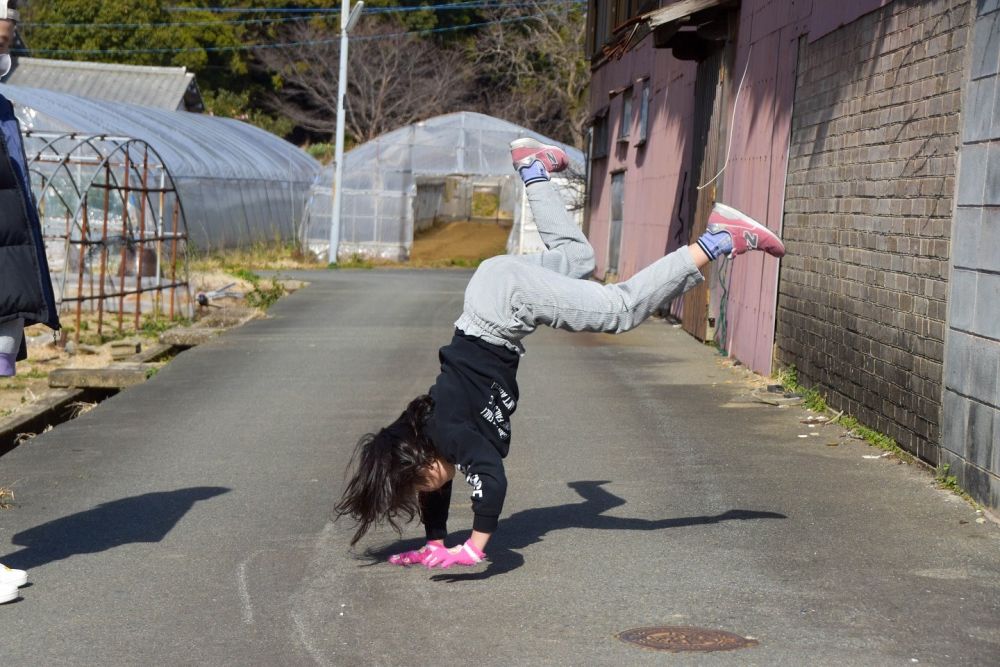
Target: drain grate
x,y
678,639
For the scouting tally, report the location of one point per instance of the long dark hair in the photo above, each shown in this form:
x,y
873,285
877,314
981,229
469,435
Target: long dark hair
x,y
390,466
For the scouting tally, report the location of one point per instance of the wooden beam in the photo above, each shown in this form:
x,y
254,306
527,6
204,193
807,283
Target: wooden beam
x,y
680,10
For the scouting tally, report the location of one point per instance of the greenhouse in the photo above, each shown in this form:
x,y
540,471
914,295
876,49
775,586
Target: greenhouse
x,y
237,183
124,191
451,167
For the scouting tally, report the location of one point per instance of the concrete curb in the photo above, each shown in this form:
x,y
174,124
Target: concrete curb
x,y
51,409
73,385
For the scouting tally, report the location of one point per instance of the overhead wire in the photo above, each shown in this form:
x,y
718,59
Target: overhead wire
x,y
300,15
279,45
470,4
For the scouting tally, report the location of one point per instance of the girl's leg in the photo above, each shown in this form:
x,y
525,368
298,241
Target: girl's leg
x,y
580,305
10,342
569,252
507,298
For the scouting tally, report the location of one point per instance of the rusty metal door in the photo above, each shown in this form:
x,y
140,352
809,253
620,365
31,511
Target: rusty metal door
x,y
709,137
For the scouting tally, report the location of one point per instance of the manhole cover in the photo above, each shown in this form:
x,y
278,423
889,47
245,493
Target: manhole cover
x,y
677,639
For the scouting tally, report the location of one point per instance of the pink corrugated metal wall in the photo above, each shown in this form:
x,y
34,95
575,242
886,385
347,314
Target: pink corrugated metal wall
x,y
754,181
654,172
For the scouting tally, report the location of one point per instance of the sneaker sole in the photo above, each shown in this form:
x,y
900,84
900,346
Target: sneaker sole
x,y
730,212
8,578
526,142
535,144
9,596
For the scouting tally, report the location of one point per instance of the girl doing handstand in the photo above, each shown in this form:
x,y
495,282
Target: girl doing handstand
x,y
462,426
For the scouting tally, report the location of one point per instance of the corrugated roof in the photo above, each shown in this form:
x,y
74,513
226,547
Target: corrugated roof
x,y
157,87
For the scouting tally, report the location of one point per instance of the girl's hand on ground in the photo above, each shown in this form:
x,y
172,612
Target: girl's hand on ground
x,y
416,557
467,554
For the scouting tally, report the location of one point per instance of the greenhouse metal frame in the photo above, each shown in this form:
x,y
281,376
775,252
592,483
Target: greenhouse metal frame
x,y
114,227
125,192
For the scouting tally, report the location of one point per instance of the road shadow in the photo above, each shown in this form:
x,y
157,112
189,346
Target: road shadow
x,y
524,528
145,518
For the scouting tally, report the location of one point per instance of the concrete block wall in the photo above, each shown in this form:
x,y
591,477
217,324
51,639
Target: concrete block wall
x,y
862,295
970,438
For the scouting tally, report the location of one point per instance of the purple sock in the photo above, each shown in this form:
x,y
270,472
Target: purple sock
x,y
7,364
716,244
533,173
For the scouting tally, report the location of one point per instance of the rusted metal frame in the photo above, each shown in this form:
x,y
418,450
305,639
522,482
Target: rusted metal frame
x,y
56,136
63,165
173,255
148,190
104,252
79,290
72,156
162,237
125,193
128,292
141,242
49,143
105,161
178,217
158,302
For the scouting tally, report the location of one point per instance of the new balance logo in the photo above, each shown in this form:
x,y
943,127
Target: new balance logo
x,y
751,239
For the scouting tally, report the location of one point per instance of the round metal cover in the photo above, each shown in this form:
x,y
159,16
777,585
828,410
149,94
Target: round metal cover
x,y
677,639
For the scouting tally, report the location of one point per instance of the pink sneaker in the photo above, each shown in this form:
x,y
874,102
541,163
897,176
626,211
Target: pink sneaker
x,y
746,233
525,151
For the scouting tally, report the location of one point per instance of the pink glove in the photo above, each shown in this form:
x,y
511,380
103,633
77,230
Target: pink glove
x,y
467,554
416,557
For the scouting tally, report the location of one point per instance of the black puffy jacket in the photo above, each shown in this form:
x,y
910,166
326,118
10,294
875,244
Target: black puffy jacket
x,y
25,284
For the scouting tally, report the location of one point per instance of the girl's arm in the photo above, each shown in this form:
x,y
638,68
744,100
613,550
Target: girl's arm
x,y
434,512
480,539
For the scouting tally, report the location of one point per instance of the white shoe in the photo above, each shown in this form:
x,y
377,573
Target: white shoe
x,y
11,577
8,592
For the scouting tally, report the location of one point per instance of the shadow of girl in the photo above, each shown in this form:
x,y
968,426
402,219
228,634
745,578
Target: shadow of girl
x,y
145,518
524,528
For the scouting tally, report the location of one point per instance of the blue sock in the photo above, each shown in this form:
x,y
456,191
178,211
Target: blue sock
x,y
716,244
533,173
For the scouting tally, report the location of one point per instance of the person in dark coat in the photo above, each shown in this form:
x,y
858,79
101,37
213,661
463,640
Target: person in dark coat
x,y
26,295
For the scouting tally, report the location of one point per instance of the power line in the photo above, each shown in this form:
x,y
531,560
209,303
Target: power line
x,y
301,14
166,24
469,4
277,45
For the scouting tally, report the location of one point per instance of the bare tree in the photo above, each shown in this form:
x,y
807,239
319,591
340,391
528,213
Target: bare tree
x,y
533,71
393,79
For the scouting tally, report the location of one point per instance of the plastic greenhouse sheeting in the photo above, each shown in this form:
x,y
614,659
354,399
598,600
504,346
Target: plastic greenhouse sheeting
x,y
383,181
238,184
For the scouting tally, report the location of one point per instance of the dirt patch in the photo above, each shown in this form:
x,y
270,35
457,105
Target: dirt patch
x,y
459,244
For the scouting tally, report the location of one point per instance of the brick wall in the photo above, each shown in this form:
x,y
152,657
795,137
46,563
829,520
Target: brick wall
x,y
970,434
863,290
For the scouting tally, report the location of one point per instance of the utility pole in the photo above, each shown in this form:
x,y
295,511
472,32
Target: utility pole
x,y
348,18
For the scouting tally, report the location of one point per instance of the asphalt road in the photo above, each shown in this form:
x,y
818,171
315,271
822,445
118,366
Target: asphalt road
x,y
188,521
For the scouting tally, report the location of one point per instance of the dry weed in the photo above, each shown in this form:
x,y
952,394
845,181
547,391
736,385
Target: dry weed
x,y
6,497
80,408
